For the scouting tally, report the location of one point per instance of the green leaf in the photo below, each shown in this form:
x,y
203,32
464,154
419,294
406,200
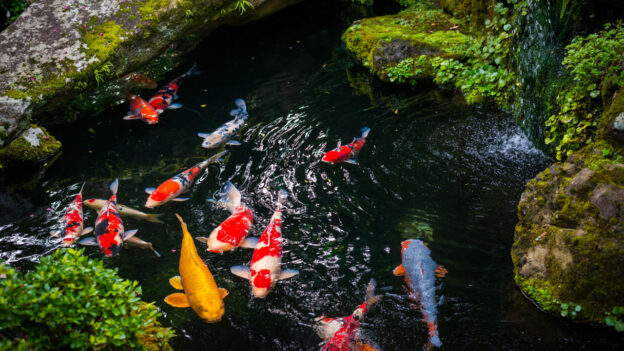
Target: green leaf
x,y
594,93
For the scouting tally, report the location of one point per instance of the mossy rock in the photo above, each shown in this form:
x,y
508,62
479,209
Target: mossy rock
x,y
382,42
33,145
477,11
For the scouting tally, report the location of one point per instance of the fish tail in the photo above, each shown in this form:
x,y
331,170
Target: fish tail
x,y
230,196
217,157
114,186
365,132
184,228
371,298
282,195
154,217
193,71
82,187
241,111
434,337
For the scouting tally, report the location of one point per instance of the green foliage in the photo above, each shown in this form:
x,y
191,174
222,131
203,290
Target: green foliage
x,y
566,310
71,301
242,5
594,62
102,72
484,74
15,8
613,318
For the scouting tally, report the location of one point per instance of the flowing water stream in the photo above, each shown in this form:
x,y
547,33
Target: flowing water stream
x,y
435,169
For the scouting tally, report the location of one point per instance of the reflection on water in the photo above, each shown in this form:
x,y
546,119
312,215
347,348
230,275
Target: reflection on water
x,y
436,169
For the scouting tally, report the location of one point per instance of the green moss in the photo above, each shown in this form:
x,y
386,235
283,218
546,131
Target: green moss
x,y
104,40
16,94
20,150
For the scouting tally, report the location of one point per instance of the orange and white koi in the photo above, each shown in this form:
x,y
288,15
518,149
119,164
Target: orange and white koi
x,y
347,153
343,334
176,186
420,271
265,268
110,233
140,109
166,94
73,221
232,232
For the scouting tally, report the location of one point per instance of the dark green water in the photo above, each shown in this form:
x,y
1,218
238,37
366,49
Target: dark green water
x,y
437,168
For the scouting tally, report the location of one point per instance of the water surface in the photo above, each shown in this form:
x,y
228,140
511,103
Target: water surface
x,y
431,168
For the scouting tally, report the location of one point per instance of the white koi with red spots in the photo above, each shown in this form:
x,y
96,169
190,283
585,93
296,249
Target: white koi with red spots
x,y
232,232
343,333
265,268
73,221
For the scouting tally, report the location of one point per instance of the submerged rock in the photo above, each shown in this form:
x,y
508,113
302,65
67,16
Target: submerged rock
x,y
61,48
33,145
383,42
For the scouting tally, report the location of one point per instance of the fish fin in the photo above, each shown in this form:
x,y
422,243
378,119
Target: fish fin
x,y
56,233
249,243
371,298
129,234
174,106
155,252
287,273
223,293
193,71
240,103
218,157
211,200
88,242
240,271
351,161
150,190
154,217
114,186
130,117
399,271
86,230
233,143
365,132
202,239
181,199
176,282
177,300
82,187
440,271
203,135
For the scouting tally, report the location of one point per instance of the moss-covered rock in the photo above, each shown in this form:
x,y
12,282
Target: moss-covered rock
x,y
569,242
33,145
383,42
61,48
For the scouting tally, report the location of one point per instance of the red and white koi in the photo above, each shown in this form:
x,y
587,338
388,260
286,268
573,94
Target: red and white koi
x,y
347,153
176,186
140,109
73,221
420,270
343,334
110,233
265,268
232,232
166,94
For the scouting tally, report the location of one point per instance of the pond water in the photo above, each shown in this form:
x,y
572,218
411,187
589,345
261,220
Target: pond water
x,y
431,168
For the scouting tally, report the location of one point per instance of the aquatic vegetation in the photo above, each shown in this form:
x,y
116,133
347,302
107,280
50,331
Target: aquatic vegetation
x,y
70,300
594,63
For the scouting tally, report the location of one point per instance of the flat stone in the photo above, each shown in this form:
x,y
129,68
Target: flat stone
x,y
580,182
607,198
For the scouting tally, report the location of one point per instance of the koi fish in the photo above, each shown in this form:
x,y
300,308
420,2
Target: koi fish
x,y
110,234
163,98
265,268
134,80
176,186
347,153
200,291
140,109
73,221
97,204
223,135
344,333
232,232
420,271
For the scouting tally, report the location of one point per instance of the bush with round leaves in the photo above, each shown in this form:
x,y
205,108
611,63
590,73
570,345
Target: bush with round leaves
x,y
72,301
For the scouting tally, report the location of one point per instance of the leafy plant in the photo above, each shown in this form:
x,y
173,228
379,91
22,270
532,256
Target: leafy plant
x,y
242,5
567,310
71,301
15,8
102,72
594,62
613,318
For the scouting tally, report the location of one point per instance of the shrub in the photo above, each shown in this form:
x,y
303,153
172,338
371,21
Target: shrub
x,y
594,62
71,301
